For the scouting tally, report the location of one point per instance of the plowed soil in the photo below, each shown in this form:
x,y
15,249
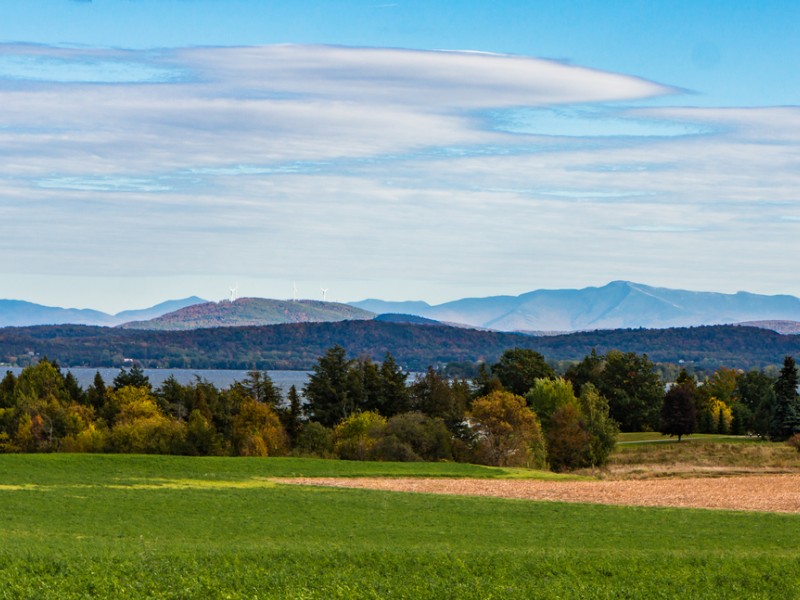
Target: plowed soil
x,y
770,493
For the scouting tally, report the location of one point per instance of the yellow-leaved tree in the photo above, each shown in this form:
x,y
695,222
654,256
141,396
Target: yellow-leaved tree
x,y
508,433
257,431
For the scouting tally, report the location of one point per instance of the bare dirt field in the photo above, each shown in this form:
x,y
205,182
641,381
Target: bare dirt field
x,y
771,493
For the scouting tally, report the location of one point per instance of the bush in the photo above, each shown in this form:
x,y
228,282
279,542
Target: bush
x,y
426,437
314,439
794,441
356,436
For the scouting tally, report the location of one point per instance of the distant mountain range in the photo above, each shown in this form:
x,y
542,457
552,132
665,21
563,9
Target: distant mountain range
x,y
18,313
244,312
620,304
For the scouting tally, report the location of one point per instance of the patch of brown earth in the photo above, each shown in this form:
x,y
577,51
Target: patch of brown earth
x,y
771,493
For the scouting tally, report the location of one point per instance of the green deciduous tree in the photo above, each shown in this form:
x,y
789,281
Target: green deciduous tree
x,y
634,390
546,396
679,410
519,368
568,441
596,419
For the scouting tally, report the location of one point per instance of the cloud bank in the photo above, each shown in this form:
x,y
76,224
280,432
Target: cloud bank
x,y
391,173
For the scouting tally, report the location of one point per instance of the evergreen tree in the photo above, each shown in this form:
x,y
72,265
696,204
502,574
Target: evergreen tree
x,y
433,395
394,388
328,395
366,386
786,415
133,378
97,392
485,383
260,387
172,398
7,386
292,415
74,389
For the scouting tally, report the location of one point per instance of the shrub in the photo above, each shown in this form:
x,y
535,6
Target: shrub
x,y
426,437
314,439
356,436
794,441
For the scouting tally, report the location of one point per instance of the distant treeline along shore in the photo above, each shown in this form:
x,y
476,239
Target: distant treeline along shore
x,y
517,411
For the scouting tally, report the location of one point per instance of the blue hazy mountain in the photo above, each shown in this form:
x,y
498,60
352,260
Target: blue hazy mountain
x,y
620,304
18,313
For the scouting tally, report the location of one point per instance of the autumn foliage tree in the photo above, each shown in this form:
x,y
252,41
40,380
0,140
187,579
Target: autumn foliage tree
x,y
508,433
258,431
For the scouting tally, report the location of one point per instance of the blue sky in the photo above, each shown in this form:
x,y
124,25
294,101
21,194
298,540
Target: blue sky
x,y
155,149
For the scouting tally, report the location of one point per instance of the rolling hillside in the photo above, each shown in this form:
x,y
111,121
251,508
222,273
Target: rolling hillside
x,y
245,312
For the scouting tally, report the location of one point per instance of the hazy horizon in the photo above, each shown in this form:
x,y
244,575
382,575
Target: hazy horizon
x,y
388,300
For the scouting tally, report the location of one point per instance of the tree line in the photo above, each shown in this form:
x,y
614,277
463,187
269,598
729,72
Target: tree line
x,y
734,402
515,412
414,346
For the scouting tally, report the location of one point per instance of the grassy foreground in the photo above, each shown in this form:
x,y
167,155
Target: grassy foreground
x,y
80,526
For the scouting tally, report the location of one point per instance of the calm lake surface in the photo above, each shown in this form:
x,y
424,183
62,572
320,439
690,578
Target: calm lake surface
x,y
222,378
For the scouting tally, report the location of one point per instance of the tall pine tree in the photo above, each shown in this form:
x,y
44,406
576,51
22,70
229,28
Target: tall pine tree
x,y
786,416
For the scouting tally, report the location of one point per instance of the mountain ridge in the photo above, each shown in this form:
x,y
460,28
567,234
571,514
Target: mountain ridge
x,y
618,304
20,313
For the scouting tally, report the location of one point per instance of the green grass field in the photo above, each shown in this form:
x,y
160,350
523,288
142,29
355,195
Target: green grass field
x,y
640,437
82,526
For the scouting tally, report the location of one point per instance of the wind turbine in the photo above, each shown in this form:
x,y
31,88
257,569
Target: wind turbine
x,y
324,294
234,290
294,291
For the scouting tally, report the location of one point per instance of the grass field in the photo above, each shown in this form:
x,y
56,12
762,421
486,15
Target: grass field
x,y
79,526
655,437
647,455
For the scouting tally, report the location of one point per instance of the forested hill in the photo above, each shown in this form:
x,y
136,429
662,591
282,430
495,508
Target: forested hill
x,y
247,312
298,345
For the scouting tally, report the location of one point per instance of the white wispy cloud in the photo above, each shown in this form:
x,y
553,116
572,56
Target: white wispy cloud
x,y
341,164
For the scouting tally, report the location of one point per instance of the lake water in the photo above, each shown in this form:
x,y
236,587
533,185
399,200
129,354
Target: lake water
x,y
222,378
